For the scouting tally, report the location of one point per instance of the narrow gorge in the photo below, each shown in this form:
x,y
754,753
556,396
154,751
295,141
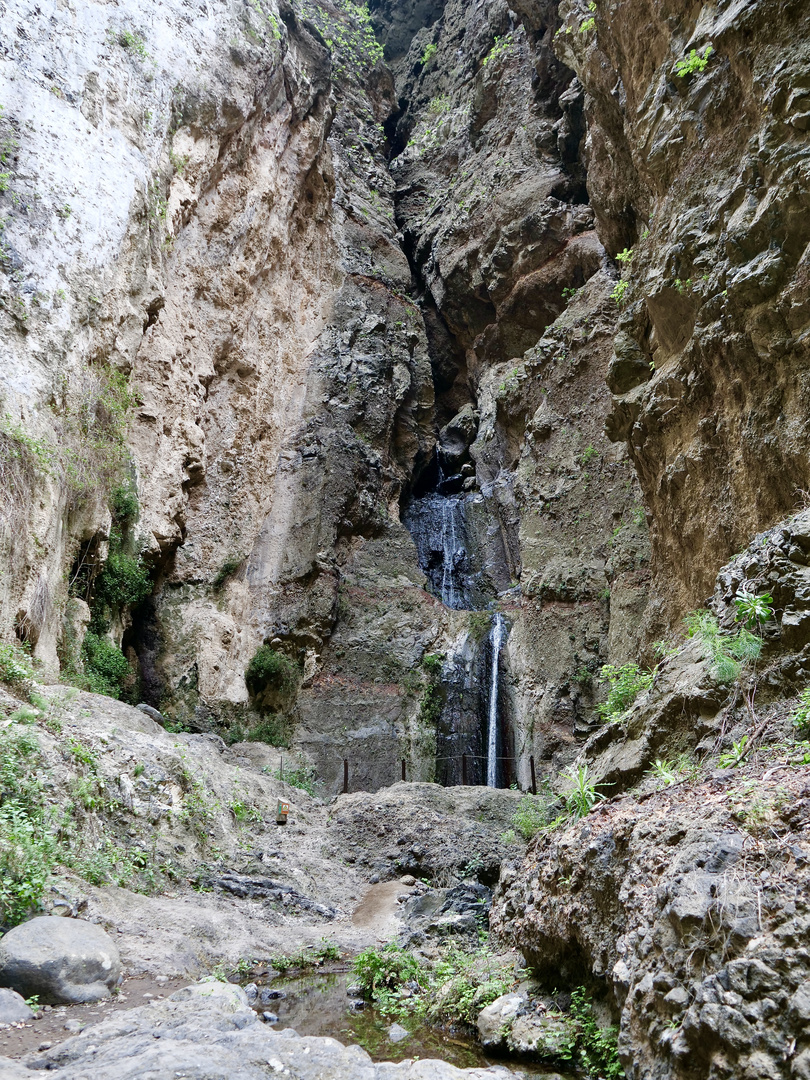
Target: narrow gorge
x,y
405,530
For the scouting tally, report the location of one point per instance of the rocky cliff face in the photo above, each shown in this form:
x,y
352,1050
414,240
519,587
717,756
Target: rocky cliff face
x,y
281,322
326,355
701,171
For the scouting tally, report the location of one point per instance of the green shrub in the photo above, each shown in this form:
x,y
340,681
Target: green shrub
x,y
500,46
693,61
729,653
752,609
730,759
229,567
123,582
462,984
24,715
124,504
531,816
14,664
427,57
595,1049
27,854
273,730
271,670
302,776
619,290
105,666
801,714
581,795
386,969
27,849
626,683
430,708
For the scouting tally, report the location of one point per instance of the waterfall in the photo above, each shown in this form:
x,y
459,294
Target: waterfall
x,y
492,730
449,548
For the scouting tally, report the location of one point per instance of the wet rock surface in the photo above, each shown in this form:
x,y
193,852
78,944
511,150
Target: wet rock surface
x,y
209,1029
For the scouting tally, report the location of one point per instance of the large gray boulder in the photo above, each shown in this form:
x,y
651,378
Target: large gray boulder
x,y
61,961
13,1009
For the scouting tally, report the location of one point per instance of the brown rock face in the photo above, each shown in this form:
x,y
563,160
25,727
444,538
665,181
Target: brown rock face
x,y
700,168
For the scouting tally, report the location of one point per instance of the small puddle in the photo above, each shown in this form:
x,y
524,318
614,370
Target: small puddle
x,y
317,1004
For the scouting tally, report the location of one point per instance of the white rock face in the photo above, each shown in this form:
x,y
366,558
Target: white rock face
x,y
95,196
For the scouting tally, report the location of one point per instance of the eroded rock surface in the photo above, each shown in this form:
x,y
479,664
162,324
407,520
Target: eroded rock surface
x,y
209,1030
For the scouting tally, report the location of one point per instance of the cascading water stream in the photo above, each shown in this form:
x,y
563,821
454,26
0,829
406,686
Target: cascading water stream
x,y
492,726
449,549
450,529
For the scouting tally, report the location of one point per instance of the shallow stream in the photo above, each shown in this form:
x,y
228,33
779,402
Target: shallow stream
x,y
317,1004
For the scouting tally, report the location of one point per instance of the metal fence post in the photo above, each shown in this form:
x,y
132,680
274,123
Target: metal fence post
x,y
345,775
464,769
534,778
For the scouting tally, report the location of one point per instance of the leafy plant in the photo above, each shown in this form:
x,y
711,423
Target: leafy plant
x,y
24,715
625,256
581,796
27,849
693,61
432,703
665,771
428,55
462,984
752,609
500,46
123,582
801,714
588,24
229,567
386,968
619,290
134,42
269,668
728,652
124,504
626,683
105,666
531,816
596,1049
301,776
14,664
243,812
730,759
588,454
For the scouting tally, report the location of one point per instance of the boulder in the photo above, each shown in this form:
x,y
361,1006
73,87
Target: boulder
x,y
61,961
13,1009
540,1035
496,1019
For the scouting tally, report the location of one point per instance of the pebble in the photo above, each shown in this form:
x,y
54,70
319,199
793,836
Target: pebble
x,y
407,879
270,1017
45,1046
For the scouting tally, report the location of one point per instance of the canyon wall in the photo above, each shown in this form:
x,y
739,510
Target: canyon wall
x,y
276,281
